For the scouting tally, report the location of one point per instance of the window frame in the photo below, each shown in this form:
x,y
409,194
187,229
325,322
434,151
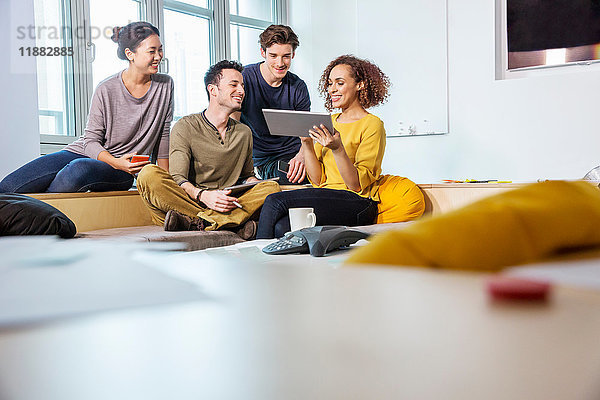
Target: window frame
x,y
77,14
53,142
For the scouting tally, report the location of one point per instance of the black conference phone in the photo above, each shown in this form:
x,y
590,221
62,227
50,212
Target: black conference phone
x,y
317,240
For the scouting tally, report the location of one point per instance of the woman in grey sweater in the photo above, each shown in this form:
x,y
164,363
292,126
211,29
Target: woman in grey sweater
x,y
131,113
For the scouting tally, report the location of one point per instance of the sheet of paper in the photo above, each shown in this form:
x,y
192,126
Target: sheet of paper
x,y
46,278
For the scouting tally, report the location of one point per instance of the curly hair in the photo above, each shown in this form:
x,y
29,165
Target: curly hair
x,y
376,84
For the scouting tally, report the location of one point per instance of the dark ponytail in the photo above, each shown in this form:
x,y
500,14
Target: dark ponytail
x,y
130,36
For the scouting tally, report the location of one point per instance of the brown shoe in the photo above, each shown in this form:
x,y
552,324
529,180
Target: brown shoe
x,y
175,221
248,230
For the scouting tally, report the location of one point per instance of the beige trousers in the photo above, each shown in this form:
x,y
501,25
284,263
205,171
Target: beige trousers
x,y
161,194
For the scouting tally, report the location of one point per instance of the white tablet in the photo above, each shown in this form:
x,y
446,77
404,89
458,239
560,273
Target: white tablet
x,y
295,123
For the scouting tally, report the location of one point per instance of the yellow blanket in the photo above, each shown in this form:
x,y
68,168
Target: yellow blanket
x,y
519,226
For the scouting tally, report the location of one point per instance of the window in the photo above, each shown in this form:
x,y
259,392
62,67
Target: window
x,y
248,19
102,21
244,44
256,9
187,49
195,34
189,27
55,88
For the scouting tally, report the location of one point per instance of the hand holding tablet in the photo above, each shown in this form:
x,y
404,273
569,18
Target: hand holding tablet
x,y
326,138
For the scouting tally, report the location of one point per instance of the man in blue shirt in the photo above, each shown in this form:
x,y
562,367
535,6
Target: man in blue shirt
x,y
269,84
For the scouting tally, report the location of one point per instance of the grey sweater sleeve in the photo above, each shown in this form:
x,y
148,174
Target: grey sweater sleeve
x,y
163,147
95,131
122,124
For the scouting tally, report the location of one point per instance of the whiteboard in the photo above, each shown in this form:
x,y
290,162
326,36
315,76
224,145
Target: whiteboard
x,y
407,39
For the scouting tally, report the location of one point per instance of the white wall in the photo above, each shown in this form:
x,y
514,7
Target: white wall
x,y
18,102
326,29
519,129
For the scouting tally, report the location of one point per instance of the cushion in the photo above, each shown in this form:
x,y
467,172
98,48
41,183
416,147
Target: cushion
x,y
519,226
399,200
23,215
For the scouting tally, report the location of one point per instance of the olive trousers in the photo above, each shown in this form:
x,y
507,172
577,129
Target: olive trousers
x,y
161,194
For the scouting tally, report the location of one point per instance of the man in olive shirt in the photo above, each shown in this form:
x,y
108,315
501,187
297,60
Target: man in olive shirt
x,y
208,152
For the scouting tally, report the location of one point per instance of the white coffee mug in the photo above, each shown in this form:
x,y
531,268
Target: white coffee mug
x,y
302,218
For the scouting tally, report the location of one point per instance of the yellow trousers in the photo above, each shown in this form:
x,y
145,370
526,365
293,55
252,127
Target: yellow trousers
x,y
161,194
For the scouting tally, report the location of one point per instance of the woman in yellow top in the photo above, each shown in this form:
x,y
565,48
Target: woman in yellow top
x,y
343,166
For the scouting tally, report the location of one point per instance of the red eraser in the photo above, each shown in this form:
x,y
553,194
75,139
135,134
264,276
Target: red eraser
x,y
511,288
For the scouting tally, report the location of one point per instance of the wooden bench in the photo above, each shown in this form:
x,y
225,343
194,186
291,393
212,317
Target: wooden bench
x,y
100,210
104,210
444,197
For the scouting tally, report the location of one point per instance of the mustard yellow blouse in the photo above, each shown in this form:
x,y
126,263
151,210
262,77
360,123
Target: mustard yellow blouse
x,y
364,142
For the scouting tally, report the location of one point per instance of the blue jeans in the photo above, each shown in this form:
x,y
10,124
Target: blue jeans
x,y
332,207
64,172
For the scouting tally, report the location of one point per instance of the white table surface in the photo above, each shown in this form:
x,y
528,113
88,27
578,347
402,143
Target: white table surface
x,y
293,329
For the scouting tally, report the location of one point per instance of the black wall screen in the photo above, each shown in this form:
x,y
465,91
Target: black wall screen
x,y
552,24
